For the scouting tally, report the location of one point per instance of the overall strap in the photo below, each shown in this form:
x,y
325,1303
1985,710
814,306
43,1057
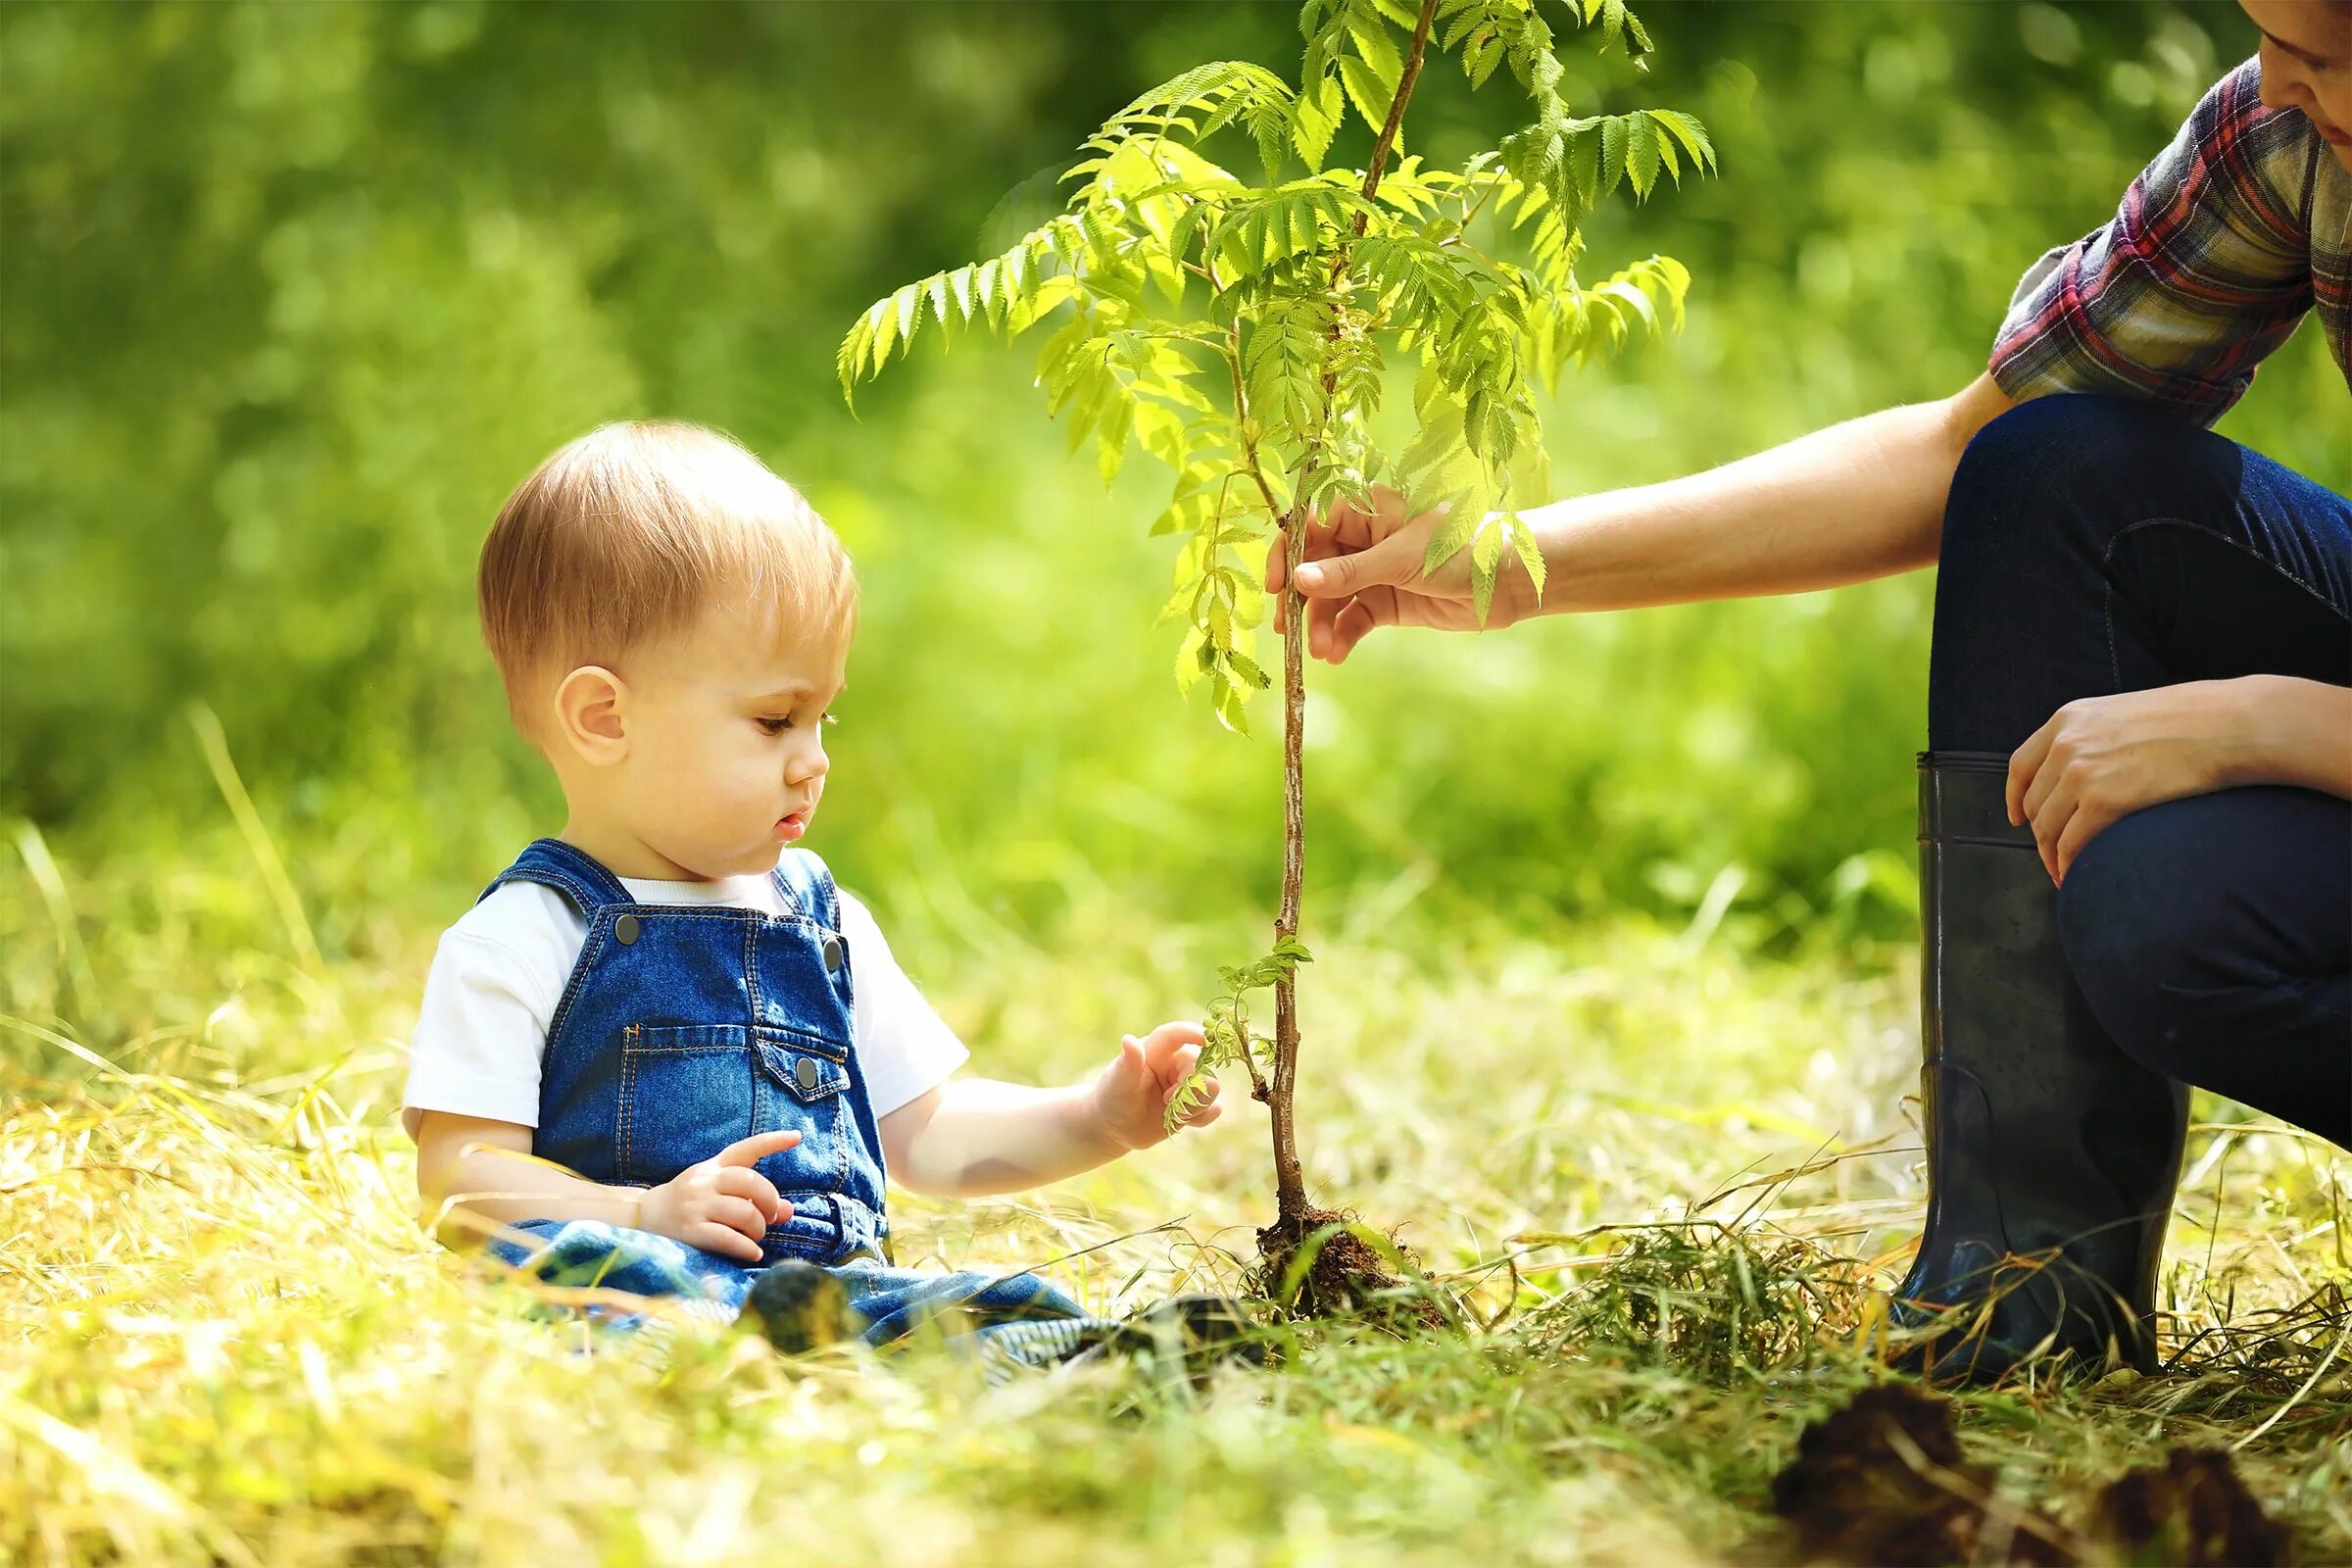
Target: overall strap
x,y
576,874
807,887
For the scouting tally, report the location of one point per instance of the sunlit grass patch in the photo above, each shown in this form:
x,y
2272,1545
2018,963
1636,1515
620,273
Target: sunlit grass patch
x,y
1660,1177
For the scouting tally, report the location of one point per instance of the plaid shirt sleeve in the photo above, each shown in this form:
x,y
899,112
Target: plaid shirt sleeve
x,y
2205,268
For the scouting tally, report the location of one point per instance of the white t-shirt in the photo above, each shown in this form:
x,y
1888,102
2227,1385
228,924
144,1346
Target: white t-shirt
x,y
481,1033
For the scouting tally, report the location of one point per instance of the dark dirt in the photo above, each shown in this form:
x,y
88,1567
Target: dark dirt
x,y
1884,1480
2193,1510
1347,1278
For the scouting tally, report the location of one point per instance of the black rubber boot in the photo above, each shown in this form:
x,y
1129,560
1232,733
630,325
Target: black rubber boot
x,y
2051,1156
799,1307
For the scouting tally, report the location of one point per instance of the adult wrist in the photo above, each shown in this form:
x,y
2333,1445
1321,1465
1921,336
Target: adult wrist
x,y
2292,732
2255,722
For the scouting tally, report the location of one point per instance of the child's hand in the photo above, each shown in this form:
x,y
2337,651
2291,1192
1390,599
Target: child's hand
x,y
1131,1096
722,1206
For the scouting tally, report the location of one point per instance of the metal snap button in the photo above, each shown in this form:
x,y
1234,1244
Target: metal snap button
x,y
835,953
805,1073
624,930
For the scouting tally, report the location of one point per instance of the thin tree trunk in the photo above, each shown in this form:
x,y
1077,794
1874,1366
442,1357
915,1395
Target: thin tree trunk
x,y
1289,1184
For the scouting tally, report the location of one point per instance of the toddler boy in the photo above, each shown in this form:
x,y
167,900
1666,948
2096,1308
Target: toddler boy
x,y
663,1053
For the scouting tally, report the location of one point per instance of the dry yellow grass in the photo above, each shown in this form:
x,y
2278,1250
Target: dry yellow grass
x,y
226,1340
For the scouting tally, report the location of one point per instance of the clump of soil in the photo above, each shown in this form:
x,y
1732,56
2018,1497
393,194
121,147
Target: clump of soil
x,y
1345,1278
1884,1480
2192,1510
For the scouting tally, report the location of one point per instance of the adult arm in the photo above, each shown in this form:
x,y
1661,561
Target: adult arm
x,y
2204,270
1859,499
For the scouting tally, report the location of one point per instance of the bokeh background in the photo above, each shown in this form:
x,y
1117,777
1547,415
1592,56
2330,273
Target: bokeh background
x,y
1613,1008
290,295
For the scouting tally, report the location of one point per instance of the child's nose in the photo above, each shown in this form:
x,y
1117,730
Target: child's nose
x,y
811,763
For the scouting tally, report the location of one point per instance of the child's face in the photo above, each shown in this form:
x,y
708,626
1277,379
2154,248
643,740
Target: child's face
x,y
726,759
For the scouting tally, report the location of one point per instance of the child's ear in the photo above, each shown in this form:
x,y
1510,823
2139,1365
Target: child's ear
x,y
589,707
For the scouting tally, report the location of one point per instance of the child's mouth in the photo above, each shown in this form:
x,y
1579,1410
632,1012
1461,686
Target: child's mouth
x,y
789,828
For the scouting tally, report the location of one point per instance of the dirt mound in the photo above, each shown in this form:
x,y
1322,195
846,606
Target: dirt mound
x,y
1344,1276
1884,1480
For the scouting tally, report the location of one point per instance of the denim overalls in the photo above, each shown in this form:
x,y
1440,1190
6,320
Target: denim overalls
x,y
686,1027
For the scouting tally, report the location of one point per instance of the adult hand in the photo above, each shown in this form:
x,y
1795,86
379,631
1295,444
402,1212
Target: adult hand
x,y
2100,759
722,1204
1363,569
1131,1096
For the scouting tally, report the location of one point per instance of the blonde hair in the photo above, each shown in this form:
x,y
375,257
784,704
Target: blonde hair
x,y
628,534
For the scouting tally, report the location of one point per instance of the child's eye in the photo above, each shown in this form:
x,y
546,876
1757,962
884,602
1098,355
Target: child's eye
x,y
774,726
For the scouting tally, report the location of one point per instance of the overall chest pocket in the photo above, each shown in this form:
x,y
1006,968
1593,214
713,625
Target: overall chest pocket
x,y
687,1091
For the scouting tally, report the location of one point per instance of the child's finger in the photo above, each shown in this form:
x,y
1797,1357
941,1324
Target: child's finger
x,y
1170,1038
741,1181
1131,1056
758,1147
713,1238
1205,1115
738,1214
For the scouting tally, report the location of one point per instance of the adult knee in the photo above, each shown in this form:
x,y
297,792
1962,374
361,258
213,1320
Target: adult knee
x,y
2025,474
2146,941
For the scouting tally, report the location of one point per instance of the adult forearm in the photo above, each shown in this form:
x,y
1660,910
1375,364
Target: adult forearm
x,y
1860,500
2301,735
986,1137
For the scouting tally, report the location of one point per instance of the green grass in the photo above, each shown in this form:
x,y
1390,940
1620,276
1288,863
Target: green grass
x,y
1664,1172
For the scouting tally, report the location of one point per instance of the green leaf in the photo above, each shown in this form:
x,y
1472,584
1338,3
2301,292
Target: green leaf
x,y
1635,299
1438,435
1485,553
1530,553
853,357
1612,151
1478,61
1190,1094
1229,707
908,306
1315,120
1643,141
1691,133
1378,51
1028,309
1446,543
1487,422
1187,659
1116,423
989,283
1370,95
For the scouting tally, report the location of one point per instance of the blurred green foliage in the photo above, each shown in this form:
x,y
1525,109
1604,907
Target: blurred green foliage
x,y
290,295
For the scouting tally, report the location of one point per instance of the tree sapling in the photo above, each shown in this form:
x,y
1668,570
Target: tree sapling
x,y
1241,333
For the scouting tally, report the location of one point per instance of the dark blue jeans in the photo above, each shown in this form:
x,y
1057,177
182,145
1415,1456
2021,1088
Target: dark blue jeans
x,y
2094,546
